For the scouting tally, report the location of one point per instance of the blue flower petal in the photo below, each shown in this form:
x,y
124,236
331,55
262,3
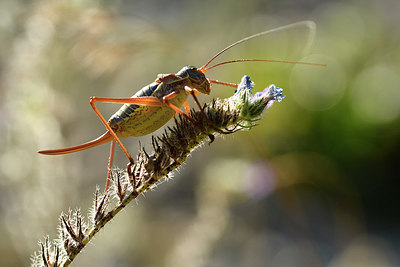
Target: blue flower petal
x,y
245,84
274,93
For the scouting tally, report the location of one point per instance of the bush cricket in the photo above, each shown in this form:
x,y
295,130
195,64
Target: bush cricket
x,y
155,104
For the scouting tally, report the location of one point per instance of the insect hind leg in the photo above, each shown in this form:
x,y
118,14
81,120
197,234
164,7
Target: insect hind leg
x,y
92,102
110,162
151,101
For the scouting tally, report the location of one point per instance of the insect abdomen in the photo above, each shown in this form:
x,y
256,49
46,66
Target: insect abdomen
x,y
126,110
139,120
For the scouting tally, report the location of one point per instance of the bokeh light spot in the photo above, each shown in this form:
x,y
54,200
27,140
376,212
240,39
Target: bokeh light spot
x,y
375,94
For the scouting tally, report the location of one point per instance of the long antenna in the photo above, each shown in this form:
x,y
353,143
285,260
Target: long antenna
x,y
308,23
263,60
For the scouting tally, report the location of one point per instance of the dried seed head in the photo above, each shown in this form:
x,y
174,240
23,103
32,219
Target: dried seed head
x,y
170,150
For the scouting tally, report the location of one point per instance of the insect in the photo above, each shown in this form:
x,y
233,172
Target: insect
x,y
155,104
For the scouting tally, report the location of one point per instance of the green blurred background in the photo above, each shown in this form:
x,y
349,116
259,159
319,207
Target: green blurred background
x,y
314,184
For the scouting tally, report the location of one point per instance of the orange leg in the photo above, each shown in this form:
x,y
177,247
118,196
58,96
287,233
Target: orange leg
x,y
166,99
151,101
210,124
110,162
223,83
187,107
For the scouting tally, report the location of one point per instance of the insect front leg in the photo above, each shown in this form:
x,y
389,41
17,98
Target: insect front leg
x,y
187,107
166,99
210,124
223,83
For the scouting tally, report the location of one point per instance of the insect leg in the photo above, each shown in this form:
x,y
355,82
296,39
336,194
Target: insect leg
x,y
223,83
187,107
92,102
151,101
166,99
110,162
192,92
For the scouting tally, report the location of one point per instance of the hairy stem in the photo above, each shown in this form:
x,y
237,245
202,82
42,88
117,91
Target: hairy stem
x,y
170,150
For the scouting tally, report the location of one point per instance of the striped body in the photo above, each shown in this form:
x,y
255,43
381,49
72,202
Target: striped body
x,y
139,120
